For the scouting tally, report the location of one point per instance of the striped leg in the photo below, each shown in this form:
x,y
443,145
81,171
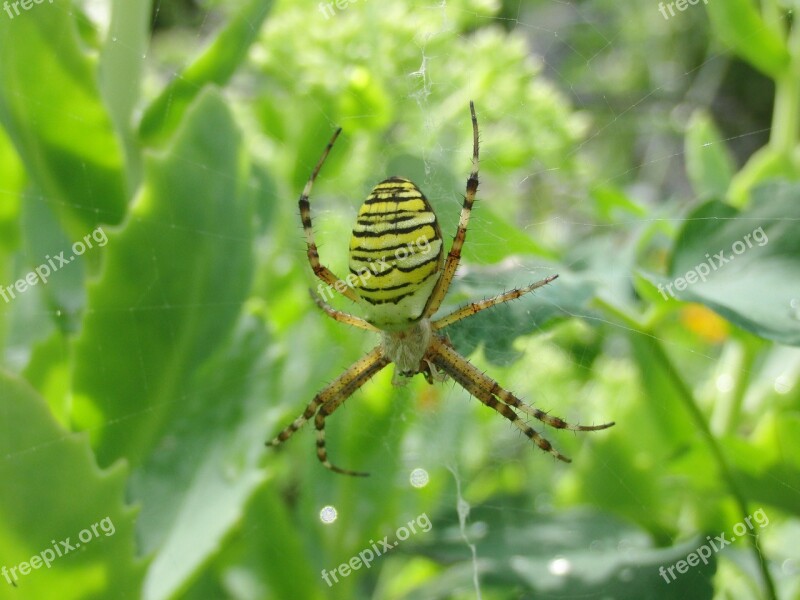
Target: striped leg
x,y
476,307
454,256
342,317
331,398
320,270
495,397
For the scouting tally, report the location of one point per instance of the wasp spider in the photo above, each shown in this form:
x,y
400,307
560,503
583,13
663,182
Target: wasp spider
x,y
399,277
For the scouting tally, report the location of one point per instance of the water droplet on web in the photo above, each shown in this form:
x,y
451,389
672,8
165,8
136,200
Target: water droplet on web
x,y
114,38
626,574
327,515
794,308
559,566
791,566
782,384
725,383
625,546
419,478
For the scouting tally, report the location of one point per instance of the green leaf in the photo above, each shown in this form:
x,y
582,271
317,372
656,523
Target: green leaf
x,y
121,67
739,26
172,286
708,162
612,203
568,295
215,66
52,491
48,371
743,265
765,163
492,239
194,488
51,107
767,467
63,289
275,561
13,178
600,554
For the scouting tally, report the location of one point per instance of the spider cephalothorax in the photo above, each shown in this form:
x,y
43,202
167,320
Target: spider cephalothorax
x,y
399,277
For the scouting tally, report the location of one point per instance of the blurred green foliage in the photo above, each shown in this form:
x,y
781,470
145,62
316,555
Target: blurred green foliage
x,y
619,148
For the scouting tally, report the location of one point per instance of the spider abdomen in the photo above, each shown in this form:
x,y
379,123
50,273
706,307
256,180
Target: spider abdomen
x,y
395,253
405,348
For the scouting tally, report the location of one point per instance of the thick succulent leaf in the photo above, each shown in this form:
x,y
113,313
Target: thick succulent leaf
x,y
50,105
172,286
53,492
214,66
194,487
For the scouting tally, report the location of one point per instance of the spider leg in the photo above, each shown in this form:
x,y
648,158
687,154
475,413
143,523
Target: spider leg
x,y
476,307
321,271
340,316
489,391
454,256
329,399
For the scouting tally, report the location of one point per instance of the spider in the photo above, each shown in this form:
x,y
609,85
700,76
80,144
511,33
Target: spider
x,y
399,277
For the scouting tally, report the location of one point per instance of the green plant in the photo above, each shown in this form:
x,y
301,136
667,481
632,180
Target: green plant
x,y
141,380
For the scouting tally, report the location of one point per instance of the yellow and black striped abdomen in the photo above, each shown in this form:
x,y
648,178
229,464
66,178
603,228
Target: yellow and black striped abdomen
x,y
395,253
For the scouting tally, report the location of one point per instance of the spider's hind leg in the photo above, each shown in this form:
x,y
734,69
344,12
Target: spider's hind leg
x,y
332,397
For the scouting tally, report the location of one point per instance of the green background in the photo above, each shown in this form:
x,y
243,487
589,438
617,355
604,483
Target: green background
x,y
619,148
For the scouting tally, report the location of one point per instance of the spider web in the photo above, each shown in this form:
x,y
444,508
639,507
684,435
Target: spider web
x,y
551,360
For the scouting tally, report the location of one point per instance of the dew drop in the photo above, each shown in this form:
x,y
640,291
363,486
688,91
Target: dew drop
x,y
724,383
782,385
419,478
559,566
791,566
327,515
626,574
794,308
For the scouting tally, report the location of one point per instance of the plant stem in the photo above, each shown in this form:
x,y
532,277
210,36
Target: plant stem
x,y
722,463
786,114
687,398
